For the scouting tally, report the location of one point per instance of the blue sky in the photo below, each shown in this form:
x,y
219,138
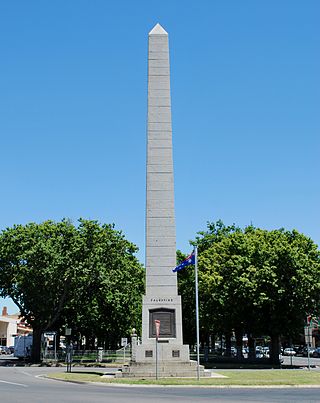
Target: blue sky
x,y
245,96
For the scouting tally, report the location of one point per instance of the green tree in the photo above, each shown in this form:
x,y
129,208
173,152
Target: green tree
x,y
287,278
58,274
226,285
257,281
110,303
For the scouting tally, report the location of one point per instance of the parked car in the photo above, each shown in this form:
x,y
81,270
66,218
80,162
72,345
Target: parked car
x,y
259,352
4,350
305,351
298,350
289,351
316,353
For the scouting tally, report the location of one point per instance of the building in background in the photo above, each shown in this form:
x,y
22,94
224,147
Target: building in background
x,y
11,326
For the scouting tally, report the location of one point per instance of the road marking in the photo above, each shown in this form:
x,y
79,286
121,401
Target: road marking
x,y
25,373
13,383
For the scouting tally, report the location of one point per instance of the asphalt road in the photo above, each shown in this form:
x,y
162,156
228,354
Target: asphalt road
x,y
23,384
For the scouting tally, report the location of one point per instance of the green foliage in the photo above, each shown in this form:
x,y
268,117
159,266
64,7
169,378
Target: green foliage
x,y
110,303
37,268
259,281
262,280
215,233
86,277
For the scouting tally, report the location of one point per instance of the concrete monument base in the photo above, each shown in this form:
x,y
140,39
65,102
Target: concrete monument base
x,y
165,370
167,351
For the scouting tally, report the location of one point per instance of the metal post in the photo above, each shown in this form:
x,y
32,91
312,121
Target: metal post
x,y
124,353
197,308
55,347
157,326
69,356
308,347
157,376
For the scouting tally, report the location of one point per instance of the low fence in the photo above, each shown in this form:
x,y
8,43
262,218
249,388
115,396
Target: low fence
x,y
124,355
208,358
89,356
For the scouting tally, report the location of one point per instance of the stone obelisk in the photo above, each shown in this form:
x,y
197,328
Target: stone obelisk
x,y
160,217
161,300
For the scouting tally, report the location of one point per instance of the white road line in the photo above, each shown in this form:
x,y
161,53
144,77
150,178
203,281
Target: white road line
x,y
25,373
13,383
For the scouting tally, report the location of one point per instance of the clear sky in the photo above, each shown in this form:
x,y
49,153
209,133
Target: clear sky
x,y
245,95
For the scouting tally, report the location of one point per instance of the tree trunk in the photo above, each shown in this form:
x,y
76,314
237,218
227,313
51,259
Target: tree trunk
x,y
239,335
275,350
88,342
228,344
57,341
36,345
252,347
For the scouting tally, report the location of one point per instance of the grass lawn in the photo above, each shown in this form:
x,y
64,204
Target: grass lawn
x,y
240,377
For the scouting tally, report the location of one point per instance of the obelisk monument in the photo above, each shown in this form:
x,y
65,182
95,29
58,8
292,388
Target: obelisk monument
x,y
161,300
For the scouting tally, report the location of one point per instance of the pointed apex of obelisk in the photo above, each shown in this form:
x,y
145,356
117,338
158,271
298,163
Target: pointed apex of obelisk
x,y
158,30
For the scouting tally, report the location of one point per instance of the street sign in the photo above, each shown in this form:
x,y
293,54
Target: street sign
x,y
308,335
157,323
49,333
313,321
68,331
124,341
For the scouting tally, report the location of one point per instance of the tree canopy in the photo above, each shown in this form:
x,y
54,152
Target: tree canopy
x,y
85,276
256,281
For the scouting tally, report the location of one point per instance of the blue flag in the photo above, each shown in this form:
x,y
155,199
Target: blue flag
x,y
187,262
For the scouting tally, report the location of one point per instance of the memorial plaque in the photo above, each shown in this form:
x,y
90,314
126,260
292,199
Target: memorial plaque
x,y
167,318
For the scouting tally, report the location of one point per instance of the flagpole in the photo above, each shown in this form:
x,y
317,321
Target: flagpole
x,y
197,308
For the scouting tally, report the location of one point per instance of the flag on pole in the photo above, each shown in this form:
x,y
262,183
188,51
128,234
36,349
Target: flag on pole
x,y
187,262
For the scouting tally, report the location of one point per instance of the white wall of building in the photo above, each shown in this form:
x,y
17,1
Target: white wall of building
x,y
8,329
